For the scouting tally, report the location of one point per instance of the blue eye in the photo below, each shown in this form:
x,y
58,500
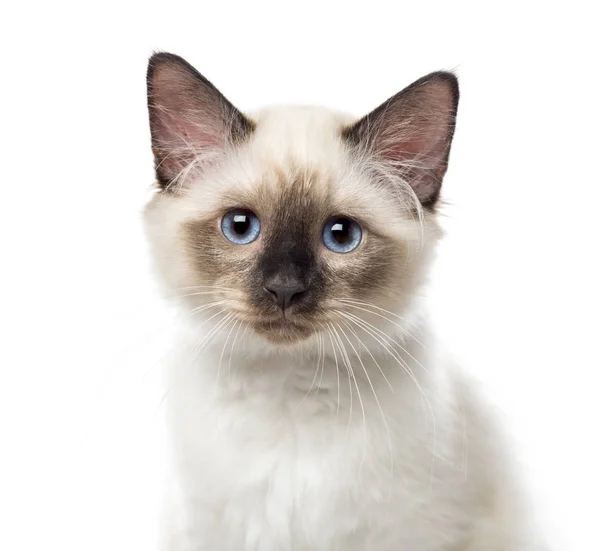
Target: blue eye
x,y
240,226
341,235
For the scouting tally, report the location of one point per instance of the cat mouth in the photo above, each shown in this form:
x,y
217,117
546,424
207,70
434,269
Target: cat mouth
x,y
282,330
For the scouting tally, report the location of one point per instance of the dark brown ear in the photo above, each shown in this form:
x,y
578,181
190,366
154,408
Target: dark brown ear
x,y
411,133
191,122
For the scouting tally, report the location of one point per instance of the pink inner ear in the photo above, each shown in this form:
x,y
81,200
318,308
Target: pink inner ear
x,y
410,149
425,151
188,125
417,126
196,138
424,162
413,136
179,126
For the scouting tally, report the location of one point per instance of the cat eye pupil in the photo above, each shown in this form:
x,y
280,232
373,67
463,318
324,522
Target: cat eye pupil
x,y
340,232
241,224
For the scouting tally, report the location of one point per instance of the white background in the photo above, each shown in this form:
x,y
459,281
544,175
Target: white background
x,y
516,289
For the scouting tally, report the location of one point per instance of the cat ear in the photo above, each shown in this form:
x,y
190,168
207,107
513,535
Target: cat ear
x,y
191,122
411,133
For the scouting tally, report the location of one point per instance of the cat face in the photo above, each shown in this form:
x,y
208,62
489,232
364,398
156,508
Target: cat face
x,y
283,219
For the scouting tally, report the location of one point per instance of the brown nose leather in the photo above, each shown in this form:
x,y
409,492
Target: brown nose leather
x,y
285,291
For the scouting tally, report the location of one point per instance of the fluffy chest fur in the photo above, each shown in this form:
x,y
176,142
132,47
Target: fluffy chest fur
x,y
268,461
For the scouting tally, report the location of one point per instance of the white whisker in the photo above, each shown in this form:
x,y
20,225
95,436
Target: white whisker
x,y
209,337
350,328
314,376
207,306
360,400
383,417
233,348
404,365
233,322
335,339
385,335
359,305
337,369
321,362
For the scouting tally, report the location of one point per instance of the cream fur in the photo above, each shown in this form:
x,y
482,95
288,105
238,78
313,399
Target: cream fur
x,y
265,458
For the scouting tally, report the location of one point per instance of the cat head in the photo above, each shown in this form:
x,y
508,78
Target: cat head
x,y
286,219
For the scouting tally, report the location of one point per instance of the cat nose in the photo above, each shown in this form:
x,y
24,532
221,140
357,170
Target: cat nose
x,y
286,291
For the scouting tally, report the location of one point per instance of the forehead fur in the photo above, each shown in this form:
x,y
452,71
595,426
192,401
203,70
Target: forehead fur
x,y
297,146
300,134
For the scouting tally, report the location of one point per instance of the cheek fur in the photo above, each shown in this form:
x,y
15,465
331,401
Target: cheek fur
x,y
365,273
214,260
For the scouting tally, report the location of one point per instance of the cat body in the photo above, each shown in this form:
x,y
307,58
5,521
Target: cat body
x,y
265,463
309,405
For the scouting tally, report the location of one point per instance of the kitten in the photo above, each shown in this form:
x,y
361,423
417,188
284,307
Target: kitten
x,y
310,407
